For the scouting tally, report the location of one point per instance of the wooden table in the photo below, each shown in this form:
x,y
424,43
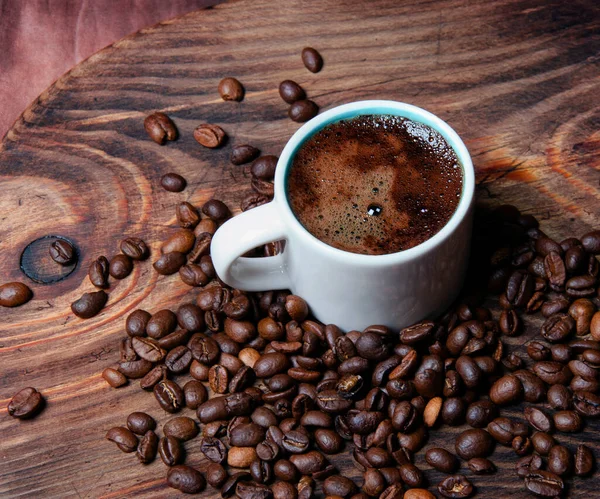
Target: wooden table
x,y
518,80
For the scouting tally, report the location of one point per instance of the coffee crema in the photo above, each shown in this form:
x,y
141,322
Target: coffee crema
x,y
375,184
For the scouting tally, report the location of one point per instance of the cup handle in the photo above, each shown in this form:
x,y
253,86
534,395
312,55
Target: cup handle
x,y
239,235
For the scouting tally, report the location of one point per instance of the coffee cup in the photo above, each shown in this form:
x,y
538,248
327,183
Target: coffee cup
x,y
348,289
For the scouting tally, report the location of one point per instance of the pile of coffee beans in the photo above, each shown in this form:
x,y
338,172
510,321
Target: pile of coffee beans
x,y
275,393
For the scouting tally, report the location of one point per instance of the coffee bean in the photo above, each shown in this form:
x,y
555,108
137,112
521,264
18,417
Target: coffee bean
x,y
210,136
185,479
253,200
146,451
507,390
241,457
135,369
140,423
89,305
229,487
394,491
418,494
181,241
124,438
170,451
522,446
469,371
552,372
528,464
481,466
243,154
120,266
231,89
441,460
339,486
584,461
264,167
581,286
504,430
560,460
455,486
250,490
568,421
474,443
216,210
63,252
148,349
554,306
216,475
481,413
113,377
558,327
591,242
26,403
303,110
173,182
160,128
544,484
509,323
98,272
193,275
169,263
538,419
291,92
169,396
538,351
182,428
374,482
135,248
309,462
314,62
556,273
153,377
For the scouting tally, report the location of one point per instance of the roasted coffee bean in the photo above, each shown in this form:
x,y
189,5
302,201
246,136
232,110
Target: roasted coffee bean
x,y
181,241
581,286
170,451
140,423
556,272
124,438
185,479
146,451
441,460
135,369
522,446
160,128
591,242
328,441
26,403
295,442
201,248
89,305
216,475
561,352
309,462
169,395
216,210
455,486
339,486
552,372
253,200
582,311
474,443
179,359
417,494
568,421
136,322
314,63
264,167
559,397
512,362
215,450
481,413
528,464
153,377
560,460
371,346
243,154
135,248
169,263
542,442
229,487
231,89
263,187
238,307
534,389
241,457
284,490
63,252
291,92
520,288
584,461
538,351
113,377
195,394
148,349
161,323
251,490
469,371
218,378
193,275
432,410
504,430
204,349
538,419
182,428
558,327
270,364
173,182
509,323
481,466
246,435
98,272
554,306
394,491
453,411
303,110
210,136
374,482
188,216
507,390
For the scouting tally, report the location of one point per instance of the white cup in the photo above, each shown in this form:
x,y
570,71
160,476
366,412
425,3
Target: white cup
x,y
350,290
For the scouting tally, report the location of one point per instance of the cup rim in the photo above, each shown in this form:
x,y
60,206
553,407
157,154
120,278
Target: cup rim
x,y
377,107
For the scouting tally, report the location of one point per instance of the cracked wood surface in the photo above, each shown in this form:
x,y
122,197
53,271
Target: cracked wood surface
x,y
518,80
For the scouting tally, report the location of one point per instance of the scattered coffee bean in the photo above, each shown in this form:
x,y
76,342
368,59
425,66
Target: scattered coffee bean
x,y
113,377
160,128
242,154
291,92
147,448
303,110
560,460
63,252
120,266
312,59
98,272
169,395
26,403
169,263
216,210
474,443
442,460
90,304
185,479
211,136
231,89
135,248
216,475
124,438
584,461
544,484
264,167
14,294
173,182
170,451
455,486
481,466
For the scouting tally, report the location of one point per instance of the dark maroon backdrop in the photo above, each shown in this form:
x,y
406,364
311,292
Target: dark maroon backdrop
x,y
42,39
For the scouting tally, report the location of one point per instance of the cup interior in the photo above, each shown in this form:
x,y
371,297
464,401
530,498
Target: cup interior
x,y
352,110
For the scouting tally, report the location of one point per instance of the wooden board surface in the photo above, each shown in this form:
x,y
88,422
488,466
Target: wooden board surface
x,y
518,80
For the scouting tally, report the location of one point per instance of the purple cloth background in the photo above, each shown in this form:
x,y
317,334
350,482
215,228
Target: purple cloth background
x,y
42,39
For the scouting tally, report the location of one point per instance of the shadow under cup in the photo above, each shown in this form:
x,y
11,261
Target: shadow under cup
x,y
348,289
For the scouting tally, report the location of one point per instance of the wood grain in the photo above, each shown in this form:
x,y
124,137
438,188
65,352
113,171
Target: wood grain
x,y
518,80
